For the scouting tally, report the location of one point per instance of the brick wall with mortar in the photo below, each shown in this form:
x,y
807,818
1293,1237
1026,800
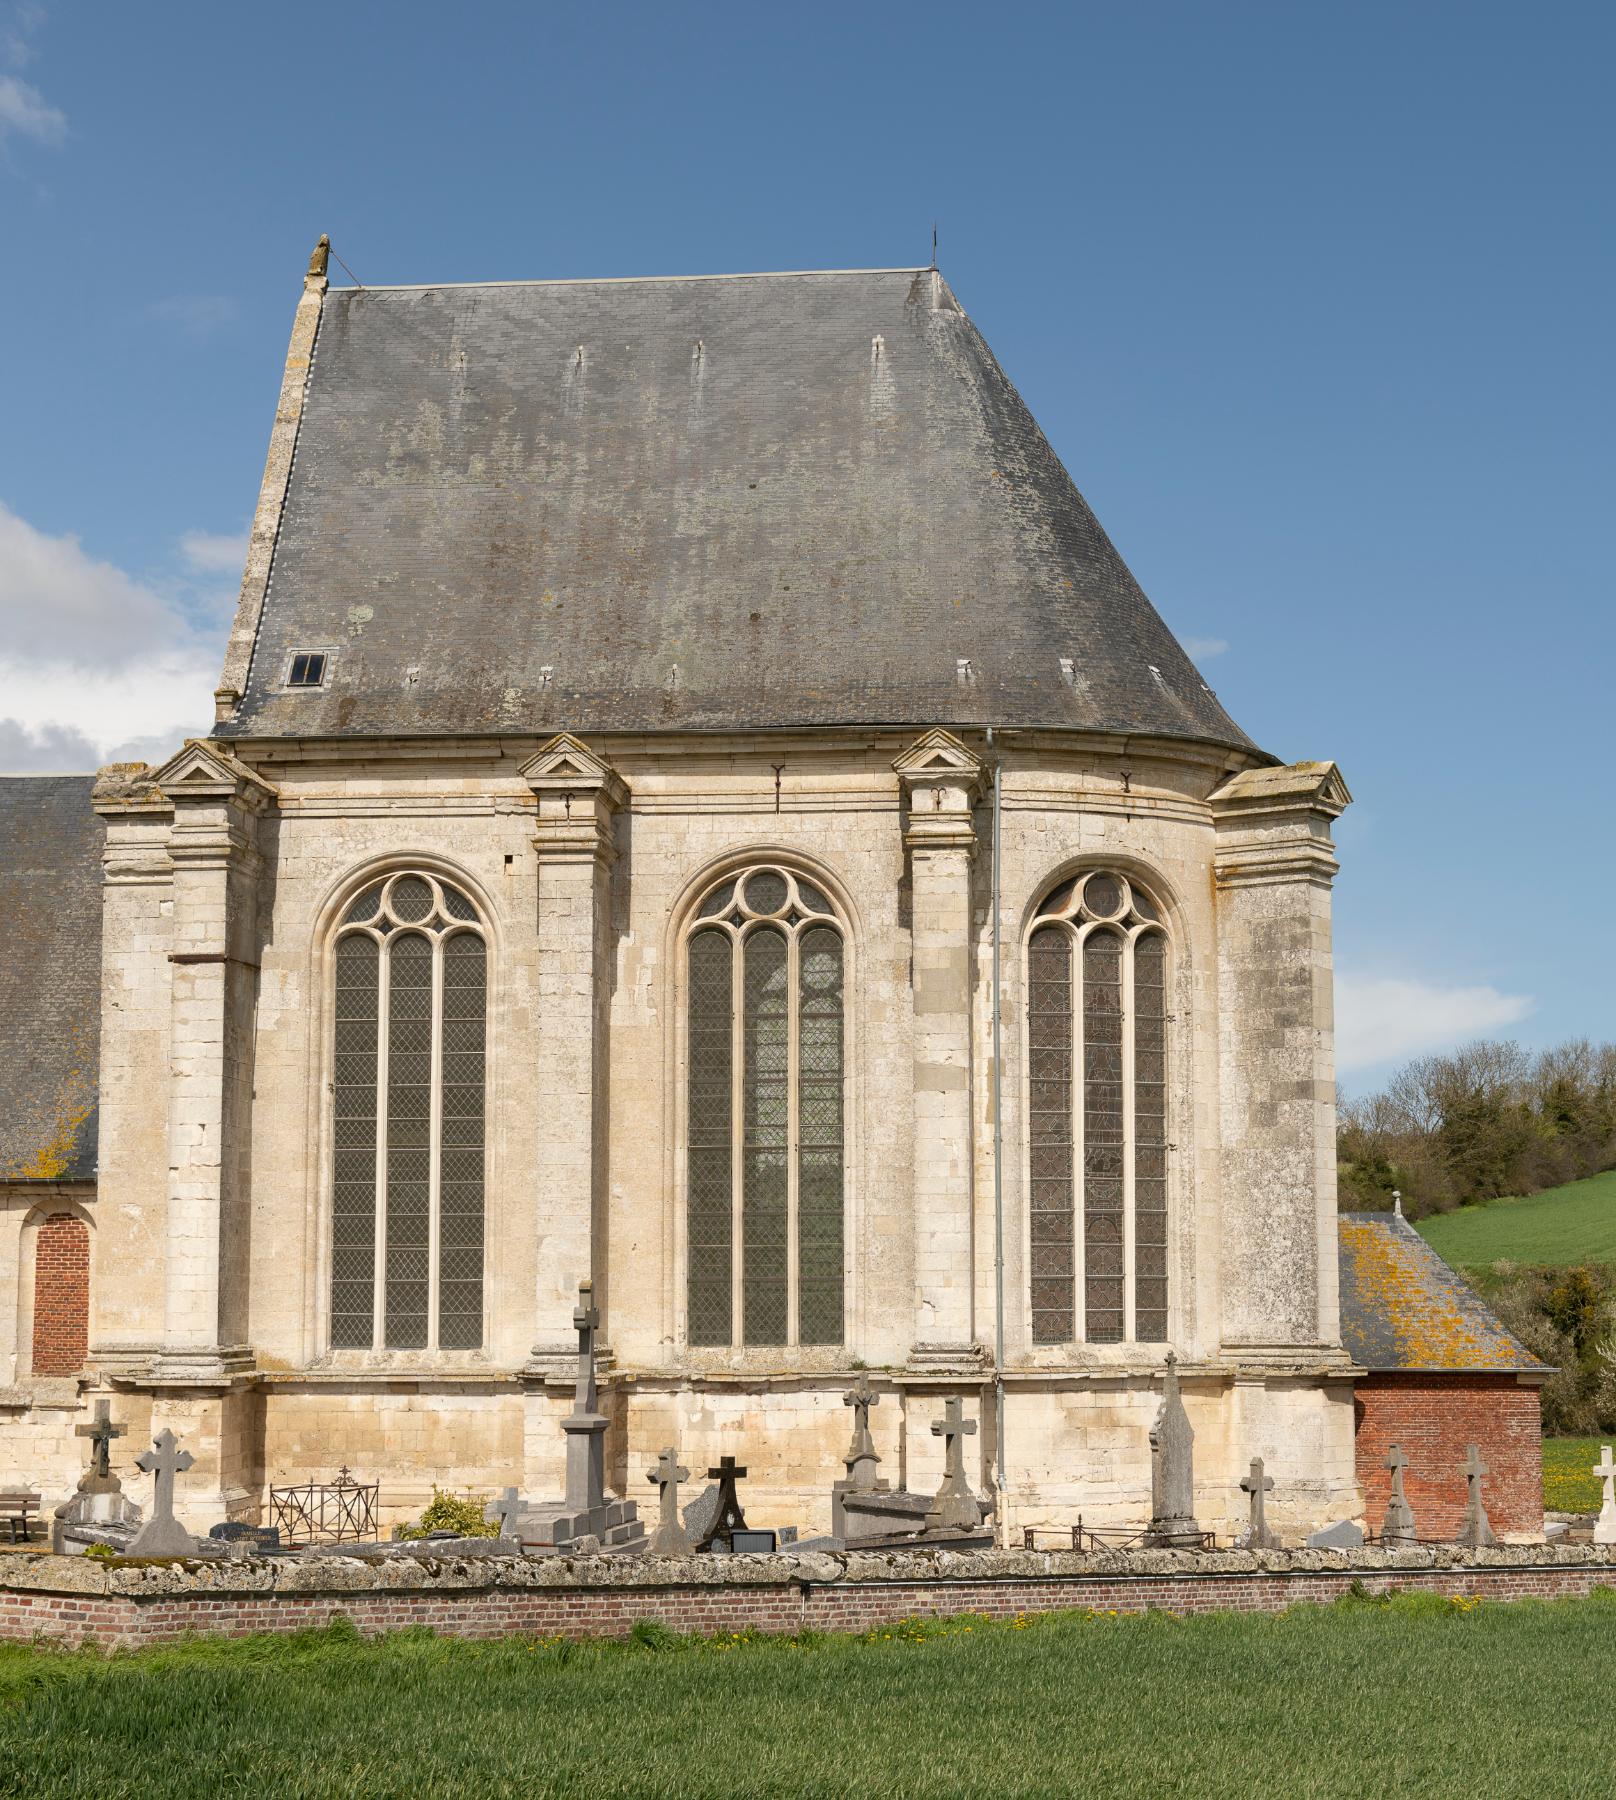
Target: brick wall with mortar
x,y
61,1295
66,1599
1434,1418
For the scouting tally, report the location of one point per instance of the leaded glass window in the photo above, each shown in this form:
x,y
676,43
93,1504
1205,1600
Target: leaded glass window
x,y
1097,1114
409,1096
764,1094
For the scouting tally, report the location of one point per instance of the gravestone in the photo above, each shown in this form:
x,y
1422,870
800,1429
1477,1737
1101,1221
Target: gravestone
x,y
507,1509
162,1534
954,1507
1398,1525
1172,1470
727,1517
253,1537
587,1510
1605,1524
1258,1486
1475,1531
99,1502
1342,1535
861,1460
670,1538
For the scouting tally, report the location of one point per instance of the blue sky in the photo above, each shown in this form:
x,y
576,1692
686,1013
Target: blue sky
x,y
1313,300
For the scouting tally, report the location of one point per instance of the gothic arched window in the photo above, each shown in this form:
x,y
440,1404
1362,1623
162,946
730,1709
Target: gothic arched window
x,y
764,1120
1097,1113
408,1116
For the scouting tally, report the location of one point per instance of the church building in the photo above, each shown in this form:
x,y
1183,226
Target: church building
x,y
697,803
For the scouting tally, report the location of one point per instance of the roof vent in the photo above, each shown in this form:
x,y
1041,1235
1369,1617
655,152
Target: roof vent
x,y
1068,668
307,669
965,671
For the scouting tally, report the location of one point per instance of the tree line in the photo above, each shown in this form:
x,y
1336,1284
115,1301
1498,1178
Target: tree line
x,y
1487,1120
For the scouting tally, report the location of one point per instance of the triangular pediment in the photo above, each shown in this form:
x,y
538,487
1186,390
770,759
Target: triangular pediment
x,y
567,761
200,766
939,752
1307,784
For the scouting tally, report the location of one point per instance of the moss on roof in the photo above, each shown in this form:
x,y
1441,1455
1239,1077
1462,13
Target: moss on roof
x,y
1402,1307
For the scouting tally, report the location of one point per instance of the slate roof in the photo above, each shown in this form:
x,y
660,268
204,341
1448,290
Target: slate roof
x,y
731,502
1404,1308
50,977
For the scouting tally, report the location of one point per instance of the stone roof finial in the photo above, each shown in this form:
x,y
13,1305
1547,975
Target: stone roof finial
x,y
321,258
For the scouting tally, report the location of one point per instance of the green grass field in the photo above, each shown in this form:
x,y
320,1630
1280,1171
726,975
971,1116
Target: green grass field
x,y
1569,1483
1415,1696
1560,1226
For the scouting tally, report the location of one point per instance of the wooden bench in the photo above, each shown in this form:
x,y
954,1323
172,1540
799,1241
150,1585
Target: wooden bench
x,y
15,1508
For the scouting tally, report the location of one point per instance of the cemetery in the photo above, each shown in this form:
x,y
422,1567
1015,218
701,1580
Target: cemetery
x,y
582,1564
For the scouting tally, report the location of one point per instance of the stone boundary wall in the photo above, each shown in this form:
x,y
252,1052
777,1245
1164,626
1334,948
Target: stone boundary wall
x,y
74,1600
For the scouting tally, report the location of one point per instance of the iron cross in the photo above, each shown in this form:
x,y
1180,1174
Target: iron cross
x,y
101,1433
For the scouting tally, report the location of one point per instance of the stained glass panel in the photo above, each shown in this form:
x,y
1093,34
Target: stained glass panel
x,y
409,1139
460,1176
709,1216
1103,1249
766,1135
819,1138
1049,1049
353,1188
1150,1137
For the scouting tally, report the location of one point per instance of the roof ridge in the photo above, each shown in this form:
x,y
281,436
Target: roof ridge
x,y
409,287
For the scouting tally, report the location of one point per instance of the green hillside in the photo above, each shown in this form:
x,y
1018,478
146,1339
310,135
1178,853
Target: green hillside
x,y
1560,1226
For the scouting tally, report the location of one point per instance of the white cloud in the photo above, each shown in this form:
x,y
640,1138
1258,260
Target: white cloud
x,y
25,111
95,666
214,552
1381,1019
1204,649
198,314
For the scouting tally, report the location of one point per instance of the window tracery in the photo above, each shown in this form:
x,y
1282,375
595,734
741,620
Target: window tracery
x,y
1097,1113
409,1106
765,1114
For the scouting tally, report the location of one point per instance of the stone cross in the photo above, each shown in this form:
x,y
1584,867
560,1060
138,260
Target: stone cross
x,y
100,1478
861,1458
1605,1524
507,1509
670,1537
585,1425
162,1534
1172,1468
1258,1486
586,1321
727,1515
955,1507
1475,1530
1398,1525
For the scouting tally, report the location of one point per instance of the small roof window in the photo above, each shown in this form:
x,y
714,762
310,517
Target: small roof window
x,y
308,669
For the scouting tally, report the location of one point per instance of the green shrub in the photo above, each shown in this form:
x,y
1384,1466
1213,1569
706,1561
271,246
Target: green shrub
x,y
459,1513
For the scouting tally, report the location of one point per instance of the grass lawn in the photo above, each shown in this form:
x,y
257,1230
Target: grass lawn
x,y
1569,1483
1416,1696
1571,1224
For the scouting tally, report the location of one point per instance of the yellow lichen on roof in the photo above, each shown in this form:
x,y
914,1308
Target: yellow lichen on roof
x,y
53,1142
1401,1281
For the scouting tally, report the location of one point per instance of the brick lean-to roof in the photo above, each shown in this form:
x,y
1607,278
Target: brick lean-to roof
x,y
716,503
50,977
1403,1308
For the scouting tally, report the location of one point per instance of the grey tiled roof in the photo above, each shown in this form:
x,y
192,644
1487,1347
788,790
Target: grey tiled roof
x,y
50,977
731,503
1403,1308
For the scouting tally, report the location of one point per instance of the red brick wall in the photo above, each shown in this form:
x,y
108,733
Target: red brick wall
x,y
61,1295
112,1620
1434,1418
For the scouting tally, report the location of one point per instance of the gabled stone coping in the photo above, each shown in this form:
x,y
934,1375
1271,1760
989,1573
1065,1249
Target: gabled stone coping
x,y
336,1575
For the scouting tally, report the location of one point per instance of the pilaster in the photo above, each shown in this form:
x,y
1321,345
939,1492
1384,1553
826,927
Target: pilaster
x,y
1274,864
941,780
213,971
578,795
